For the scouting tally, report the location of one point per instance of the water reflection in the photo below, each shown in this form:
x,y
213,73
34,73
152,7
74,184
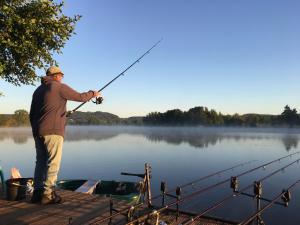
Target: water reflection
x,y
203,138
195,137
19,135
290,142
23,134
102,152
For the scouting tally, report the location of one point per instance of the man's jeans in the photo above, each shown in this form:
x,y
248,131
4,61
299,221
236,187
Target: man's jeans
x,y
48,157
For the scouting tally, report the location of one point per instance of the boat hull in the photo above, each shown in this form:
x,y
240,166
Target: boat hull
x,y
118,190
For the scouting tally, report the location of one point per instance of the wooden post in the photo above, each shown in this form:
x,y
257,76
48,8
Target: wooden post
x,y
148,177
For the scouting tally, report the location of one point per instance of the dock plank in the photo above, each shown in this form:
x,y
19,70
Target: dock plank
x,y
78,207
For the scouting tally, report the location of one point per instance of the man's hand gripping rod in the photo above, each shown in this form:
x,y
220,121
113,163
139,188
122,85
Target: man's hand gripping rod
x,y
122,73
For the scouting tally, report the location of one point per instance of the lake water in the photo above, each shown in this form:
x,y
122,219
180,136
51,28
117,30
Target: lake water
x,y
177,156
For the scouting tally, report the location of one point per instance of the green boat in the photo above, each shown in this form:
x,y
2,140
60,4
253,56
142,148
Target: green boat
x,y
128,191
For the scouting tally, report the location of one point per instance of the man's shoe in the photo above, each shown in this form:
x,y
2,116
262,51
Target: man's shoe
x,y
52,199
36,196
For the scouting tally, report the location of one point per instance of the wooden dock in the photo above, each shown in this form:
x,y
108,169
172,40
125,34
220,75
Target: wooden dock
x,y
81,209
77,209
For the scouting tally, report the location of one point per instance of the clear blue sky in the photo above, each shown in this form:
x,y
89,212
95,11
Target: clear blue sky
x,y
232,56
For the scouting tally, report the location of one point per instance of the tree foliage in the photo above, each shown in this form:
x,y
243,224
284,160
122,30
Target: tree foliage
x,y
19,118
290,116
203,116
193,117
30,32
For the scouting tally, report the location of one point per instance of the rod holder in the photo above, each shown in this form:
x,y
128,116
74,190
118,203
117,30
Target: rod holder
x,y
148,184
178,195
163,188
257,189
111,205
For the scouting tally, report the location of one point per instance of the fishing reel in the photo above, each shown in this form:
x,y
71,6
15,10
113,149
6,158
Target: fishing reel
x,y
98,100
234,184
286,197
257,188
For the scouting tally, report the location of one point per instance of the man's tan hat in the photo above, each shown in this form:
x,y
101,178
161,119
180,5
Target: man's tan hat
x,y
53,70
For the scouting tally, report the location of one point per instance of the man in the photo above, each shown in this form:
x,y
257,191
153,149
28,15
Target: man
x,y
48,120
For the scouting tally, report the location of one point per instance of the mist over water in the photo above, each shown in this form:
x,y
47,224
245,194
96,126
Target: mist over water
x,y
177,155
195,137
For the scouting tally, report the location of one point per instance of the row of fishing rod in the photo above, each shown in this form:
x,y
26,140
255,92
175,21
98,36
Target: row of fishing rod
x,y
234,183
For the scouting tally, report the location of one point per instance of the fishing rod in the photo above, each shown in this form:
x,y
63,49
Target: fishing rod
x,y
236,193
100,99
140,204
155,212
282,195
205,177
182,186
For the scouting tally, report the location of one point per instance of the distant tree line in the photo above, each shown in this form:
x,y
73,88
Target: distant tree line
x,y
19,118
203,116
197,116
